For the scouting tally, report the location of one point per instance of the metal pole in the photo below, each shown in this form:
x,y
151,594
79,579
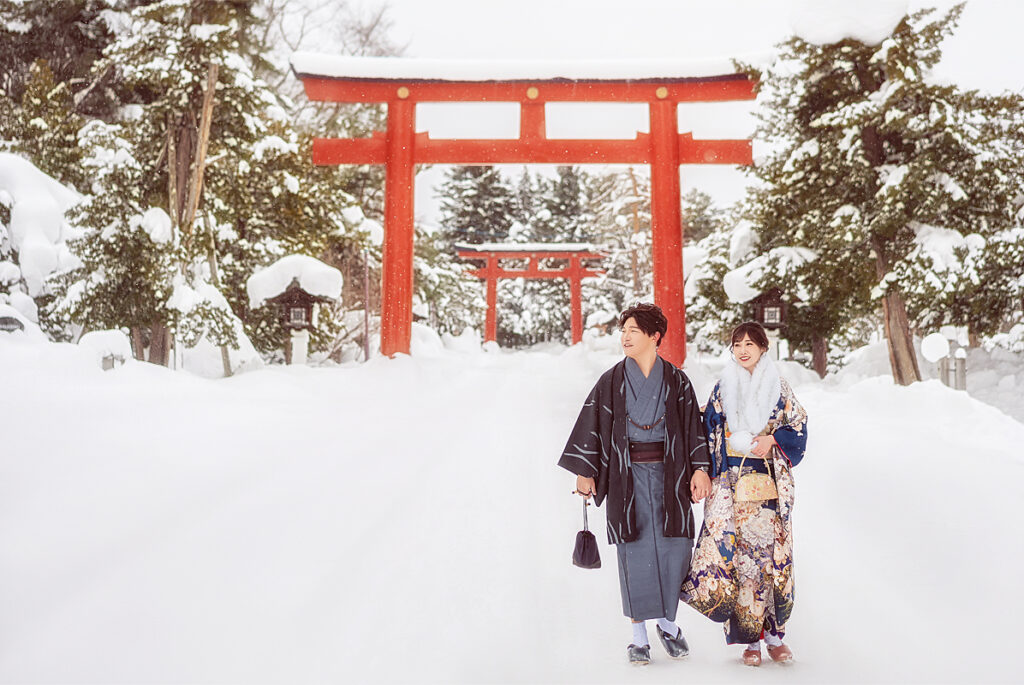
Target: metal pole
x,y
366,305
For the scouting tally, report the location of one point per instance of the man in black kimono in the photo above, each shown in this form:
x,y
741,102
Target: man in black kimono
x,y
639,443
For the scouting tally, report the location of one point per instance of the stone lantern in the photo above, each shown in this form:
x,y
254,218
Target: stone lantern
x,y
298,316
298,285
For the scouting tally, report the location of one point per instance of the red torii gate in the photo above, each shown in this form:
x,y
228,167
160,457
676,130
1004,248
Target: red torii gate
x,y
402,83
574,254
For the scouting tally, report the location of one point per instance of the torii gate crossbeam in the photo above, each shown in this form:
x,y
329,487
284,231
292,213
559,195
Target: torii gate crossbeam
x,y
402,83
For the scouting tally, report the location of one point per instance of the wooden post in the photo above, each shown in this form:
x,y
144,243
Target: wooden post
x,y
576,299
491,325
396,299
667,228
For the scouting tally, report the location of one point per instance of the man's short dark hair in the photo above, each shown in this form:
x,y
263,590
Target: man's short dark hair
x,y
649,319
754,330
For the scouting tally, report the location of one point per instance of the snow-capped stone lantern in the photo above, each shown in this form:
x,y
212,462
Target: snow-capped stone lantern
x,y
297,284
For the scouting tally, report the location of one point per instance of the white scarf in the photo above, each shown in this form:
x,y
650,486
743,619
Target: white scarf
x,y
749,400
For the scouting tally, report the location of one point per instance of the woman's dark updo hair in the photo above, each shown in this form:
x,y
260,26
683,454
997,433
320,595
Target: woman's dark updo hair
x,y
754,330
649,318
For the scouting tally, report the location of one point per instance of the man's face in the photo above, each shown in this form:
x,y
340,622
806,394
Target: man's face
x,y
636,343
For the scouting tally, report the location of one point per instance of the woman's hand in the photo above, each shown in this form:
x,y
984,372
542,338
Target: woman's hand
x,y
700,486
585,487
762,445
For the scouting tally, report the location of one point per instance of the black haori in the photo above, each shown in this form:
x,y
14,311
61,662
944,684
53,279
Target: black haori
x,y
598,448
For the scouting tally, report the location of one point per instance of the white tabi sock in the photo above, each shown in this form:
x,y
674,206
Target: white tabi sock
x,y
640,634
772,640
754,646
668,627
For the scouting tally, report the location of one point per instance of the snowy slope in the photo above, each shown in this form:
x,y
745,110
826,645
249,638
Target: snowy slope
x,y
403,520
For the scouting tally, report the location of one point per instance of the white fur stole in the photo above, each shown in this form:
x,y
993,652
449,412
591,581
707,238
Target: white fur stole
x,y
749,400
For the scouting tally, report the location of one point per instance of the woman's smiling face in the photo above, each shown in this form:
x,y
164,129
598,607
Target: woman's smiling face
x,y
747,353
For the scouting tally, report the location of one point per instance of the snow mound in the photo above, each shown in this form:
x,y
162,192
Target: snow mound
x,y
37,229
829,21
100,344
315,277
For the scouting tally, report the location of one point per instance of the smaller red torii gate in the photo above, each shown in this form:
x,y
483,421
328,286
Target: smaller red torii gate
x,y
573,254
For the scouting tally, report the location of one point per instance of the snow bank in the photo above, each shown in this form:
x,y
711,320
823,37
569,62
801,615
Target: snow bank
x,y
315,277
223,550
37,229
31,332
100,344
829,21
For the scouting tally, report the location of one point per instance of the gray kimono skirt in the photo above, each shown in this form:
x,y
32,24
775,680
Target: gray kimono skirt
x,y
652,567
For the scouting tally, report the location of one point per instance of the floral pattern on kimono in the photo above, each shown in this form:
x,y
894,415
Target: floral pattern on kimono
x,y
742,568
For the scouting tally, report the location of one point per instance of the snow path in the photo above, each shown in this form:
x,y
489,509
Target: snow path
x,y
403,521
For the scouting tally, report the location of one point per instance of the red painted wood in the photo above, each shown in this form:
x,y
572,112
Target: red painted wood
x,y
511,254
710,89
491,324
401,149
573,270
714,151
576,300
327,151
667,229
397,282
532,123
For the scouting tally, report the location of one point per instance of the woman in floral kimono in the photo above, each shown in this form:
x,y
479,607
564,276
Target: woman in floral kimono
x,y
742,569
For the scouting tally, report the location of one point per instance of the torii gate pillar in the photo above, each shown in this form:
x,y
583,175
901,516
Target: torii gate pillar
x,y
399,187
667,228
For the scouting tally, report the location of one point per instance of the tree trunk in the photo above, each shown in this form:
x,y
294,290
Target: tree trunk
x,y
138,343
159,344
211,259
902,357
819,355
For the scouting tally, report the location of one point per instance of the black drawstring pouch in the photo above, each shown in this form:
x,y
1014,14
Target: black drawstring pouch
x,y
585,555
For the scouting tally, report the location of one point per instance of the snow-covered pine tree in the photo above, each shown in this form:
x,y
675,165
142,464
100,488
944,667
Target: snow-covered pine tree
x,y
477,205
867,155
551,210
230,169
45,128
620,203
127,251
455,299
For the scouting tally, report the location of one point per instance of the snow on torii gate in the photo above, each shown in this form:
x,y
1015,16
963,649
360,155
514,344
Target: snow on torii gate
x,y
572,255
402,83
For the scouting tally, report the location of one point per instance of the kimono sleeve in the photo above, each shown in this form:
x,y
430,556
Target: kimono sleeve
x,y
582,453
714,424
791,435
697,444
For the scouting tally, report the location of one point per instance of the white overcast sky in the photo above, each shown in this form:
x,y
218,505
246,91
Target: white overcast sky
x,y
984,53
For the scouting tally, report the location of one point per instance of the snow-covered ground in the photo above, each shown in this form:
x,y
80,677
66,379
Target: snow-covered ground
x,y
403,521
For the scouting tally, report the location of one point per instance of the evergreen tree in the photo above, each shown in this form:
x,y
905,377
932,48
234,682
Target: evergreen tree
x,y
246,205
477,205
620,204
126,271
455,300
45,128
869,156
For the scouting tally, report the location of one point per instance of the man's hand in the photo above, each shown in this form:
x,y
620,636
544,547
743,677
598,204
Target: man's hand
x,y
762,445
585,487
700,486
